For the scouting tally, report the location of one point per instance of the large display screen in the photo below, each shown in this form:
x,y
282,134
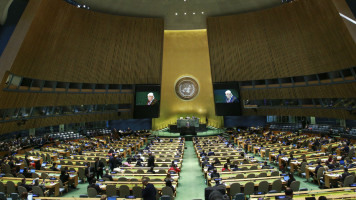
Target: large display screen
x,y
147,101
227,99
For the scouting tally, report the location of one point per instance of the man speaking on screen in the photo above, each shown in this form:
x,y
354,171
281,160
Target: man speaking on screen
x,y
230,98
151,99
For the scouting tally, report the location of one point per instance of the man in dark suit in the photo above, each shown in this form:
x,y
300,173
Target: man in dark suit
x,y
346,149
95,186
99,167
151,160
111,150
54,167
202,153
112,162
151,99
148,191
230,98
344,175
89,173
23,184
107,175
211,153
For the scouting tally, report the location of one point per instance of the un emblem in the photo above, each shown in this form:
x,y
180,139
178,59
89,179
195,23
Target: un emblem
x,y
187,88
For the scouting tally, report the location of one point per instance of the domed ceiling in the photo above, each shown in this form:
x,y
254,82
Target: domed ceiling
x,y
179,14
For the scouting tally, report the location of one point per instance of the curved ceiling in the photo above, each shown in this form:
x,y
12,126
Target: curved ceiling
x,y
179,14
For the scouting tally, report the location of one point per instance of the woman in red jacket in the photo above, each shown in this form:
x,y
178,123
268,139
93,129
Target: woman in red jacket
x,y
174,168
226,168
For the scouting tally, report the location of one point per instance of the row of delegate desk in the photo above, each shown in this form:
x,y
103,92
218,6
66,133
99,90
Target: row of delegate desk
x,y
133,175
250,169
330,177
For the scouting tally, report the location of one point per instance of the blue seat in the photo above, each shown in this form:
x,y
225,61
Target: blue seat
x,y
2,196
14,196
239,196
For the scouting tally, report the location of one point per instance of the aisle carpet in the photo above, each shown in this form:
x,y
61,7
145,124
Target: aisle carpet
x,y
191,182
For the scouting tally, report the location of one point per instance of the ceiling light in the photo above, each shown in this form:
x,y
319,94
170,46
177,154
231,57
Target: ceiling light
x,y
185,13
176,13
202,13
193,13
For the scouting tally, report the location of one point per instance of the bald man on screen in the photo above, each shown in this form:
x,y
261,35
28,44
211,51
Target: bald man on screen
x,y
230,98
151,99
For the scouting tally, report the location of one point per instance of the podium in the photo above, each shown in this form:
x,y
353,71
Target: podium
x,y
188,131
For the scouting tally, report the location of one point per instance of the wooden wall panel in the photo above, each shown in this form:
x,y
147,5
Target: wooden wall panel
x,y
345,90
299,38
51,121
77,45
24,99
328,113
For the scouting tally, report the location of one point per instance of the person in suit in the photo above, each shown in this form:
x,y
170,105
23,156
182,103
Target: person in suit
x,y
23,184
95,186
118,161
230,98
27,160
89,173
329,165
169,184
64,176
211,153
107,175
344,175
99,167
203,153
111,150
112,162
148,191
346,149
205,162
151,160
138,164
26,173
54,167
291,179
38,165
11,163
265,165
289,193
215,174
317,168
350,164
151,99
139,159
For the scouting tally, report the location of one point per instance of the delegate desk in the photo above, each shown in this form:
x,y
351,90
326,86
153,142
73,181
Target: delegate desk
x,y
158,184
331,177
335,193
73,177
233,174
52,185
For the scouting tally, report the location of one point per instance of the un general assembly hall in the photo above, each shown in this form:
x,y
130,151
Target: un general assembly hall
x,y
177,99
